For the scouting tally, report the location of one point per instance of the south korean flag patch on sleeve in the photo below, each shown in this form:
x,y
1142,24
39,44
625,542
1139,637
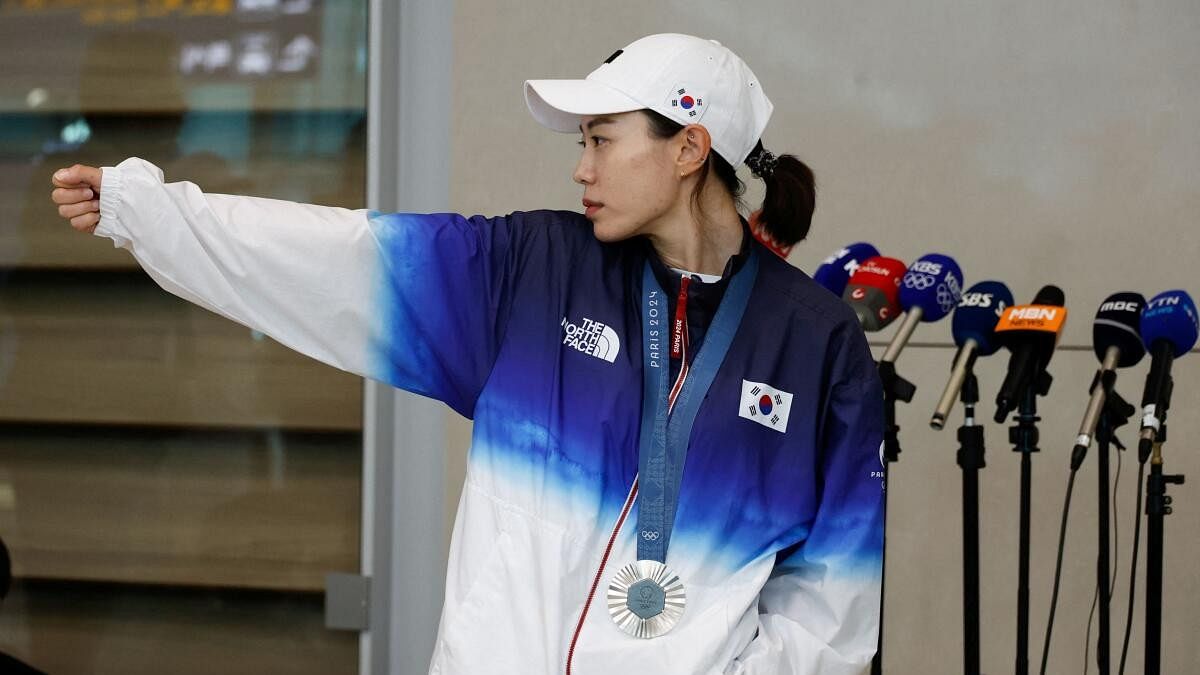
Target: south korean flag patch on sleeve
x,y
766,405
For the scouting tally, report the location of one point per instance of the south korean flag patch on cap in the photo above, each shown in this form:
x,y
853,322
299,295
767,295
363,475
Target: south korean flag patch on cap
x,y
766,405
687,104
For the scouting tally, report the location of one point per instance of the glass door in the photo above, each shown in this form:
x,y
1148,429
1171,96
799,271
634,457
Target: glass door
x,y
174,487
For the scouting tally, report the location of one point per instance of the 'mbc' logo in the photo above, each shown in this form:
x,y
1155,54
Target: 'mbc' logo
x,y
592,338
1119,306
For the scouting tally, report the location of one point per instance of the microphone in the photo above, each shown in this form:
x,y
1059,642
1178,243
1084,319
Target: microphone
x,y
974,327
1031,333
874,292
1169,330
836,270
1117,339
928,292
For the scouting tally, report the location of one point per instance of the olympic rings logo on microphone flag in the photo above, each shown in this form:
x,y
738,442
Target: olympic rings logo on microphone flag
x,y
919,281
946,299
934,283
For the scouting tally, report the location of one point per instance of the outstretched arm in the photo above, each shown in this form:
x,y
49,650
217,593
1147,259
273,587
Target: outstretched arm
x,y
418,301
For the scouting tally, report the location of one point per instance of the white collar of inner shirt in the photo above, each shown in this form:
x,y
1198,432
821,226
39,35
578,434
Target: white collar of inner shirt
x,y
706,278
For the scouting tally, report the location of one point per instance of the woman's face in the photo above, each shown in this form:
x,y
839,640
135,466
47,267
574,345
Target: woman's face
x,y
629,178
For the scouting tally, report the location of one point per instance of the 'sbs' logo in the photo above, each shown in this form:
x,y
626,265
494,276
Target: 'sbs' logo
x,y
593,338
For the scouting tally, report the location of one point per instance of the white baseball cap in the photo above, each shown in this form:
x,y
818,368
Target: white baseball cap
x,y
684,78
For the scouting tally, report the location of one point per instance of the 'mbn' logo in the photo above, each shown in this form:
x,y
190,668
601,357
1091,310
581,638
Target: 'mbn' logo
x,y
1032,314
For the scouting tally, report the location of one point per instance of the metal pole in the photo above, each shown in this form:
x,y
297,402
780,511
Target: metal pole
x,y
409,92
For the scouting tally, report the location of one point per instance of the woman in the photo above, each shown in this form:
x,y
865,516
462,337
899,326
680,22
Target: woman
x,y
674,463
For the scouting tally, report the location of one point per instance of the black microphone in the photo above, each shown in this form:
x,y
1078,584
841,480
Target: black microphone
x,y
1031,333
1117,339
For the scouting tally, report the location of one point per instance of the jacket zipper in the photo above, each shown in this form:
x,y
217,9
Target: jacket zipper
x,y
600,571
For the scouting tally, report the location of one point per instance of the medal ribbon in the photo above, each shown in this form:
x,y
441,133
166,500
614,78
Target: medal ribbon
x,y
679,340
668,413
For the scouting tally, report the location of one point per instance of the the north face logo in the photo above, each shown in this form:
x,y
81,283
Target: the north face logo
x,y
592,337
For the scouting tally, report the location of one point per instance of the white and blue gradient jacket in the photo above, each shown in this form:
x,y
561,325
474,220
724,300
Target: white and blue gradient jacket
x,y
778,536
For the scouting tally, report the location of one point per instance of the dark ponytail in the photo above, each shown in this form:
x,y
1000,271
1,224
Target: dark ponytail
x,y
791,195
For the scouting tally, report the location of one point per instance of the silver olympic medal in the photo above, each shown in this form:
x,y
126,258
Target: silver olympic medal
x,y
646,599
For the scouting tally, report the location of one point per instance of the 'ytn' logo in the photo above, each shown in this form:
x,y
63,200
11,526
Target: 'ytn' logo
x,y
1168,301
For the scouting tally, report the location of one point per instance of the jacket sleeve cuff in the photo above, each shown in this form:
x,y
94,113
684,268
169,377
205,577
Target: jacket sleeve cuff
x,y
115,182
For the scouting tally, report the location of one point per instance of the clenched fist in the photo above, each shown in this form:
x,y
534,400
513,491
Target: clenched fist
x,y
77,194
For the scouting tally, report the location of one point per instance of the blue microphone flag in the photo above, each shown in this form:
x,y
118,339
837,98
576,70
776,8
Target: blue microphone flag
x,y
934,283
836,270
1171,316
977,314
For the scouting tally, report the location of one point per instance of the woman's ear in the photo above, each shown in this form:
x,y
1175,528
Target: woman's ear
x,y
694,145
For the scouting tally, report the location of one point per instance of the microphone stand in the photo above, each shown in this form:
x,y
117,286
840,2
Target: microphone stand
x,y
970,458
1158,504
1113,415
895,388
1024,437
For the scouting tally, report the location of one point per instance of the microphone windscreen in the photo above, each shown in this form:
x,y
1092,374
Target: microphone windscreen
x,y
874,308
933,283
880,272
1171,316
835,271
874,292
1118,325
1038,325
977,314
1050,295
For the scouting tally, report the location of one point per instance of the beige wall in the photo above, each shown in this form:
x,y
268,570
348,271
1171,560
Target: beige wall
x,y
1035,143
